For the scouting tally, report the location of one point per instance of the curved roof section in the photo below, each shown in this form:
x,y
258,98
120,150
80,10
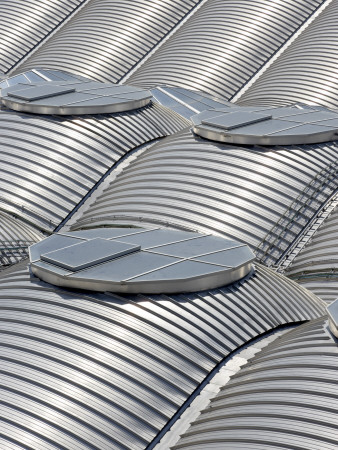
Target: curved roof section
x,y
106,38
109,372
48,164
261,197
306,71
26,23
286,397
316,266
223,44
15,237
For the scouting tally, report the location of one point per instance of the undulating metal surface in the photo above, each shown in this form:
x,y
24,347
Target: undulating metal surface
x,y
286,397
106,372
48,163
223,44
260,196
15,237
26,23
106,38
306,71
316,266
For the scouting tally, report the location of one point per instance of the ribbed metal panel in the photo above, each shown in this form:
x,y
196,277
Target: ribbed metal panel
x,y
25,23
107,37
223,44
286,397
48,163
316,266
15,237
262,197
106,372
306,71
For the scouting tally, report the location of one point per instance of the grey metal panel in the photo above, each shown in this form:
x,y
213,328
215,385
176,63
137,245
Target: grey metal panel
x,y
223,44
285,397
47,164
307,69
261,197
316,266
25,23
15,237
106,38
110,371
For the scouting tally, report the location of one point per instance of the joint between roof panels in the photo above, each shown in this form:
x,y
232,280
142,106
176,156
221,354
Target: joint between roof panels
x,y
159,44
280,50
47,37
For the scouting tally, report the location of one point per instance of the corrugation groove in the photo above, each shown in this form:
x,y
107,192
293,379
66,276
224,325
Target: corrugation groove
x,y
240,193
49,163
106,38
307,70
223,44
113,370
26,23
285,397
15,237
316,266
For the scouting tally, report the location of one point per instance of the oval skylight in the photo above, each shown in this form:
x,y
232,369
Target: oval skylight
x,y
267,126
75,97
136,260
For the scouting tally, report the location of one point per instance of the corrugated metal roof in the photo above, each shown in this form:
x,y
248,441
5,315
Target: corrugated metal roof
x,y
307,69
223,44
106,37
15,237
48,164
316,266
285,397
260,196
26,23
103,371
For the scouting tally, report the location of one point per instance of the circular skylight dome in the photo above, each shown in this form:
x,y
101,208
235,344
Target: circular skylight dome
x,y
74,97
136,260
267,126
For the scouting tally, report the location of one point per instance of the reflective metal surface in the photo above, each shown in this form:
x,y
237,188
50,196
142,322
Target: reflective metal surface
x,y
74,98
106,38
223,44
261,197
286,397
138,260
101,371
306,71
26,23
48,164
267,126
15,238
332,311
316,266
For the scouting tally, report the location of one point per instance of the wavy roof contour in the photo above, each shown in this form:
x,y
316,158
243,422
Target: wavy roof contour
x,y
24,24
222,45
15,237
103,371
106,38
48,163
306,71
260,196
285,397
316,266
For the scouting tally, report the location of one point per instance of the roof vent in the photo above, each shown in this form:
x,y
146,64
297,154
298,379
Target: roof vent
x,y
332,312
74,97
267,126
139,260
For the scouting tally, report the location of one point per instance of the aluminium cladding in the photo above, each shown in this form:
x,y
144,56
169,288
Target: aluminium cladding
x,y
332,312
137,260
267,126
74,97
